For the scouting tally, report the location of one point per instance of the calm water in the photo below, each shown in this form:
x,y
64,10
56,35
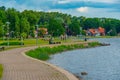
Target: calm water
x,y
101,63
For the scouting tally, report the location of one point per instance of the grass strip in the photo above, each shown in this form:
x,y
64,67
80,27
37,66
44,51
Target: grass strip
x,y
1,71
43,53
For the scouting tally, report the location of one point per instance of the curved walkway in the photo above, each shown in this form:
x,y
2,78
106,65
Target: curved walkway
x,y
19,67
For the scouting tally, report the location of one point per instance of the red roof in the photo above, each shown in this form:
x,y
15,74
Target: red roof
x,y
101,30
92,31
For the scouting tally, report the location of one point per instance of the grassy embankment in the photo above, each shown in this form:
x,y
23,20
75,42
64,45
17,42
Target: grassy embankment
x,y
44,53
1,71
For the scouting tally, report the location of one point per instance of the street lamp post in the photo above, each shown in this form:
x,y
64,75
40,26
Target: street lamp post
x,y
3,27
12,34
66,27
36,35
22,41
7,23
80,30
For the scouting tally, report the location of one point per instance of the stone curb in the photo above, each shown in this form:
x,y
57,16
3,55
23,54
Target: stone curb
x,y
69,75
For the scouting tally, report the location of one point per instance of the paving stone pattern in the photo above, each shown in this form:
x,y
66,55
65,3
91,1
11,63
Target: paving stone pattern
x,y
18,67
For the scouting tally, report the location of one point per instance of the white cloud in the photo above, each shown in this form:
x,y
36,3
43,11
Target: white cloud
x,y
92,12
64,2
102,1
82,9
96,12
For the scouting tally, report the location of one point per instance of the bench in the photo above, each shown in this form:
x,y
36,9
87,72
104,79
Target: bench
x,y
57,42
52,42
2,48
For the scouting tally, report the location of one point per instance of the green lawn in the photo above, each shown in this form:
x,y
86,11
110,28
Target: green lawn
x,y
27,41
32,42
1,71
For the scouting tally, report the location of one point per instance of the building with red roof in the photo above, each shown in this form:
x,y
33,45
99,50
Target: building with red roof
x,y
96,32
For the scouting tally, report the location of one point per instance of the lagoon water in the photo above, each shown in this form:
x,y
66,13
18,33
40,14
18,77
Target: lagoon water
x,y
101,63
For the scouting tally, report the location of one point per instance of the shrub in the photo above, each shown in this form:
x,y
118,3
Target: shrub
x,y
12,43
43,56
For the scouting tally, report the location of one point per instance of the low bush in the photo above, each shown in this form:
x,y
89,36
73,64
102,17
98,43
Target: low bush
x,y
12,43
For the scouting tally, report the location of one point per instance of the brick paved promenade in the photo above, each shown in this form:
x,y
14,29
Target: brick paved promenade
x,y
19,67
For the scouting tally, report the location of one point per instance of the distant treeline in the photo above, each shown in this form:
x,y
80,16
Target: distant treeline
x,y
23,23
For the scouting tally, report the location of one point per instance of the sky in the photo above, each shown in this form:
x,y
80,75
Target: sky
x,y
87,8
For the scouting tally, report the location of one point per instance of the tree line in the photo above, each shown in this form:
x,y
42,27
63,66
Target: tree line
x,y
24,23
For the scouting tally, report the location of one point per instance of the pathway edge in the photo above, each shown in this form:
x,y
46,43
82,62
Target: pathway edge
x,y
69,75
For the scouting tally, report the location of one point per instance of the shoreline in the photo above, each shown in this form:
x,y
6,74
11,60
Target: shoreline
x,y
69,75
44,52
